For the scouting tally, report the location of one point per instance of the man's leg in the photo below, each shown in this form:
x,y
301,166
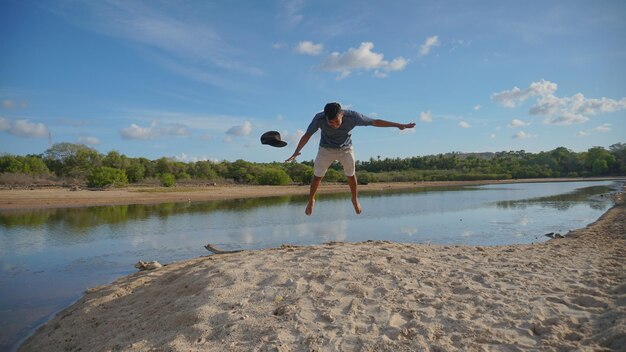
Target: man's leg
x,y
352,182
315,183
322,161
348,162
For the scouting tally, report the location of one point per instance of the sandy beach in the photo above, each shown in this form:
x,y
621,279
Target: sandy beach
x,y
565,294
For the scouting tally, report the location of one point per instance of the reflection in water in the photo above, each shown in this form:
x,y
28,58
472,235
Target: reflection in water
x,y
85,217
594,196
49,257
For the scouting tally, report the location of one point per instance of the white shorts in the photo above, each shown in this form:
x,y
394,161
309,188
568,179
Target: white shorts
x,y
326,156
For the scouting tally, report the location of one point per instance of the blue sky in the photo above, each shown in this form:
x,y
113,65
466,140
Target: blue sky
x,y
202,80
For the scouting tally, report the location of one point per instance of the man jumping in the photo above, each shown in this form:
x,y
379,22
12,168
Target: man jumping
x,y
336,144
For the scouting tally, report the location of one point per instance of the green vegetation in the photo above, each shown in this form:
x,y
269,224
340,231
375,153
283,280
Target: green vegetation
x,y
274,177
167,180
30,164
560,162
80,163
104,176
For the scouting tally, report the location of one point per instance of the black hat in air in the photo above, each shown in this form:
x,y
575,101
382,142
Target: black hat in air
x,y
272,138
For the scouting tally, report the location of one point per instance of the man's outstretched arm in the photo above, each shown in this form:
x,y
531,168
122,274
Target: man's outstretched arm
x,y
383,123
303,141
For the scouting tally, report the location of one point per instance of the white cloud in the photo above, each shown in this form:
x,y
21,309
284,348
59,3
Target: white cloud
x,y
428,45
512,98
292,138
345,74
606,127
558,111
185,158
464,124
518,123
477,107
492,136
279,45
135,131
361,58
88,140
241,130
523,135
192,159
575,109
426,116
379,74
309,48
24,128
176,130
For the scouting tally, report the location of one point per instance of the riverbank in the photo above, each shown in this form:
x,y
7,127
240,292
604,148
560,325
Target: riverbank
x,y
564,294
64,197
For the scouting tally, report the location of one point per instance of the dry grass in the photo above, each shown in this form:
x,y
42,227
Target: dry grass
x,y
20,180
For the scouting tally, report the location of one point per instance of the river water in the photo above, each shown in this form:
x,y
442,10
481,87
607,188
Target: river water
x,y
50,257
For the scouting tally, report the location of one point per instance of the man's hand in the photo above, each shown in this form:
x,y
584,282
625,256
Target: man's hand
x,y
408,125
292,158
303,140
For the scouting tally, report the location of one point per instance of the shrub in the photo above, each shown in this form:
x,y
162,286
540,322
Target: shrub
x,y
333,175
31,165
599,167
274,177
299,172
104,176
135,173
183,176
167,180
365,178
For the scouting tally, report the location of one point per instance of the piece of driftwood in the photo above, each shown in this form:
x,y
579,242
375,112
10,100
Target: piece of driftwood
x,y
209,247
553,235
141,265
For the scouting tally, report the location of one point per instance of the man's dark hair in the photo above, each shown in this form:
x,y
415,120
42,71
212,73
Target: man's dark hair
x,y
331,110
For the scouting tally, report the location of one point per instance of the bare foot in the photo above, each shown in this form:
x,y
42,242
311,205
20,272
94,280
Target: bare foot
x,y
309,207
357,206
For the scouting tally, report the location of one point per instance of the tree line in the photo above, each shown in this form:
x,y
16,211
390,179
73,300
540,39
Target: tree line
x,y
81,164
560,162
